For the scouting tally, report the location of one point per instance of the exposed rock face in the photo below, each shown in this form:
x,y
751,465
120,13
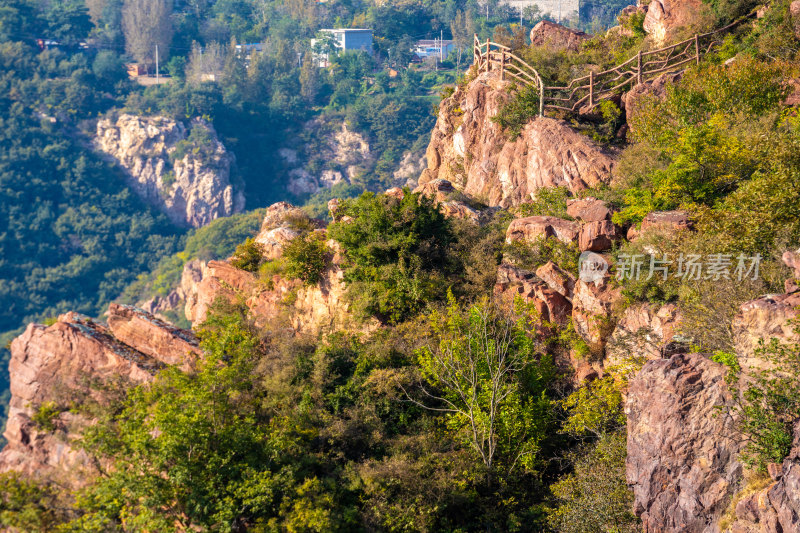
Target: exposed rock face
x,y
665,18
547,33
153,337
193,190
588,209
438,189
557,279
57,363
550,304
471,151
346,153
531,229
411,165
682,453
657,88
598,236
764,318
644,330
593,306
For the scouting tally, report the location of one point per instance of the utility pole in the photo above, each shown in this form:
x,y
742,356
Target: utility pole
x,y
441,51
157,78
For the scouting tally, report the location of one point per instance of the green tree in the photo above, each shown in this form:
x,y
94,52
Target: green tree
x,y
395,251
490,379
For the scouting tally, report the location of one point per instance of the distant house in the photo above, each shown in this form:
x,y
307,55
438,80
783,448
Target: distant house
x,y
136,69
248,52
345,39
433,48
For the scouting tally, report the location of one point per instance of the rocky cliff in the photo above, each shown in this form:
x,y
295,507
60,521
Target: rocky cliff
x,y
57,371
186,172
471,151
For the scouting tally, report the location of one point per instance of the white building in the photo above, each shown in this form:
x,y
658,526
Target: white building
x,y
434,47
346,39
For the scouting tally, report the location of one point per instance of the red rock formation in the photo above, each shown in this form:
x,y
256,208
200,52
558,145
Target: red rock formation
x,y
60,364
531,229
588,209
557,279
682,454
598,236
644,330
477,157
551,305
593,306
666,19
547,33
152,336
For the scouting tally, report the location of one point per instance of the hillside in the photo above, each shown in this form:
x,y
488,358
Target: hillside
x,y
575,318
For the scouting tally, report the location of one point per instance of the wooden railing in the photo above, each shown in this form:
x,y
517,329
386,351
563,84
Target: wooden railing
x,y
584,93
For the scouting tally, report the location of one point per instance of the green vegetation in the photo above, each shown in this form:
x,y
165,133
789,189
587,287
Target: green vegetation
x,y
396,253
306,258
248,256
769,405
45,416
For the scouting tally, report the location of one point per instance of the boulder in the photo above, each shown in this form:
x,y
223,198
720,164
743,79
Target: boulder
x,y
644,330
153,337
395,192
531,229
597,236
456,209
762,319
438,189
557,279
556,36
657,88
588,209
665,19
275,240
682,455
676,220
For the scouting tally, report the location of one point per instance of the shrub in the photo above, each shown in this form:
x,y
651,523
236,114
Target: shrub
x,y
769,406
532,255
549,201
306,258
595,497
395,251
248,255
46,415
514,115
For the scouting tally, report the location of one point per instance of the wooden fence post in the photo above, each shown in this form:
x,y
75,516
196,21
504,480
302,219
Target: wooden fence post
x,y
591,88
502,64
697,48
541,98
639,68
488,55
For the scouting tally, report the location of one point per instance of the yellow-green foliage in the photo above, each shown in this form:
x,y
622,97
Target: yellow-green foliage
x,y
45,416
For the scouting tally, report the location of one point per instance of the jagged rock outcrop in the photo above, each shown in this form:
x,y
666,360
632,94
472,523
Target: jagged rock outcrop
x,y
470,150
411,165
193,189
344,153
176,298
682,449
655,88
645,330
532,229
665,19
59,364
303,308
593,309
551,305
554,35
